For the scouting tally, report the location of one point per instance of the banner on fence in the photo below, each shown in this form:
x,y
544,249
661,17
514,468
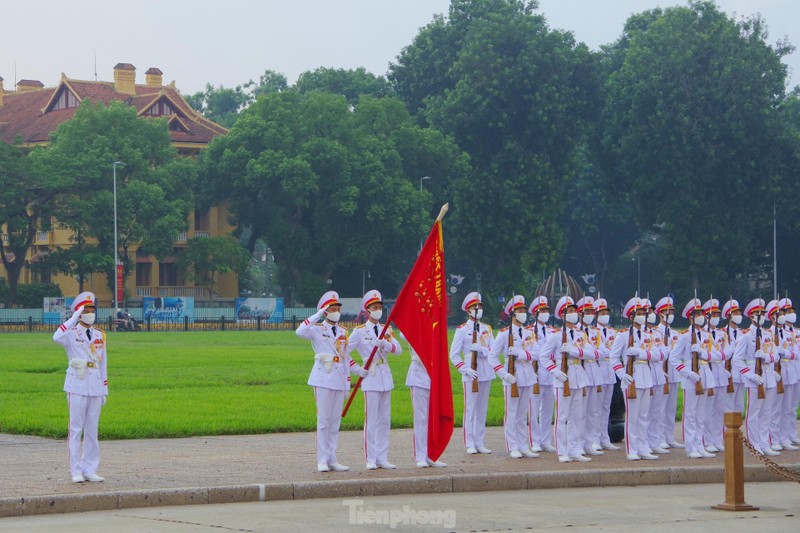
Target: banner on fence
x,y
168,309
266,309
57,309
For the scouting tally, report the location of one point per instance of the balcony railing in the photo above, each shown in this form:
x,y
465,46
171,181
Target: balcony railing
x,y
202,233
181,237
42,237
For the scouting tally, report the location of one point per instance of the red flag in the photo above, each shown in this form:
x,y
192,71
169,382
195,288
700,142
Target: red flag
x,y
421,314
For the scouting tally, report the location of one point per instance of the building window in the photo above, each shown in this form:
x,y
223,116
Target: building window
x,y
201,220
143,274
160,109
167,274
66,100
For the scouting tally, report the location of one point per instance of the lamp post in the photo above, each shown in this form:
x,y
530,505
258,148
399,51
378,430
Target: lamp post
x,y
423,178
368,274
116,258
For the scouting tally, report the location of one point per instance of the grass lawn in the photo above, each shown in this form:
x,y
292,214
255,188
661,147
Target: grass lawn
x,y
182,384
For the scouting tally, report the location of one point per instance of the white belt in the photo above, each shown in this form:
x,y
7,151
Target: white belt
x,y
327,360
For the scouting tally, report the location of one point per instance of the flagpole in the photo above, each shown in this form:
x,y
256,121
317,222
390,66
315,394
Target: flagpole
x,y
366,366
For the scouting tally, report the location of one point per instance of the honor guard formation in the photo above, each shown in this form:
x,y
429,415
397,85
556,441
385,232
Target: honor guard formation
x,y
557,381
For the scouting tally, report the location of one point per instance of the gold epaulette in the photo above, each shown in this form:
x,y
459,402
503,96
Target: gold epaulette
x,y
489,328
504,329
359,327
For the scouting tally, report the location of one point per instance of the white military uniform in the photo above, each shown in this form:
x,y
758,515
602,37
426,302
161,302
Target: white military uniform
x,y
670,337
330,377
540,423
609,379
722,401
418,381
377,387
598,403
795,402
86,385
476,404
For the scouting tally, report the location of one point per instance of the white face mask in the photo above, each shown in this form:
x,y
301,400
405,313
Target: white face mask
x,y
736,319
376,314
88,318
714,321
760,320
699,321
572,318
791,318
588,319
670,318
603,320
544,317
333,316
651,318
521,317
781,320
477,314
640,319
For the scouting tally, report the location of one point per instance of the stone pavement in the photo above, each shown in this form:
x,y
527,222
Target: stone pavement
x,y
34,474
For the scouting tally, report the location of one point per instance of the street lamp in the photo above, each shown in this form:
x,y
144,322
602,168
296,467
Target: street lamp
x,y
368,274
423,178
116,259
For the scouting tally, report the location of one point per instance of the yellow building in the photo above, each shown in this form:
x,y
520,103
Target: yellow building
x,y
32,112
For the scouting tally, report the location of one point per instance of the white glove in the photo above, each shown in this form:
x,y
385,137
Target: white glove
x,y
666,376
560,376
524,356
77,314
386,345
316,317
782,352
696,348
513,351
777,376
728,374
633,351
756,379
573,351
625,379
760,354
467,371
694,377
475,347
363,372
508,378
716,355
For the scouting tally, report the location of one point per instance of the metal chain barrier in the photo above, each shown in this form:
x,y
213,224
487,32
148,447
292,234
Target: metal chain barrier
x,y
787,473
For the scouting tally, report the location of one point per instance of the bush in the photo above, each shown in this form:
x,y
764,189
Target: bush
x,y
31,295
3,290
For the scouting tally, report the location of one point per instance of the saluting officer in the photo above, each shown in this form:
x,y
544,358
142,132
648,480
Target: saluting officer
x,y
86,385
378,383
330,376
476,404
665,308
516,414
540,418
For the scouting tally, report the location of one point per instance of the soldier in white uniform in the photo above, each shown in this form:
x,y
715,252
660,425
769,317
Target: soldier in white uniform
x,y
665,308
476,404
86,385
591,365
378,383
757,344
713,428
418,381
569,427
695,402
637,410
521,351
787,406
791,319
658,399
734,332
540,418
330,376
607,334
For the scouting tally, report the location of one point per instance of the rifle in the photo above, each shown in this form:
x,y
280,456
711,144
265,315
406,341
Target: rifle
x,y
698,386
535,362
564,363
583,361
778,362
596,346
728,361
474,363
759,362
512,367
666,360
629,366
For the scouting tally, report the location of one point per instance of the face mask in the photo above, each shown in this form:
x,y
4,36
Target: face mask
x,y
670,318
761,320
791,318
478,314
603,320
714,321
521,317
588,319
572,318
88,318
736,319
651,318
699,321
333,316
544,317
640,319
376,314
781,320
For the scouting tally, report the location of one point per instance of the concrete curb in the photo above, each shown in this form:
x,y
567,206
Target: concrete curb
x,y
354,488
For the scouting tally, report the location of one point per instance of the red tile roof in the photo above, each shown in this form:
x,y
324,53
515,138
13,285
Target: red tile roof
x,y
23,113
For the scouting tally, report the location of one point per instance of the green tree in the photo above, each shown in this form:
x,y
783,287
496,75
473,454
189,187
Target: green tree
x,y
694,139
154,186
205,257
223,105
349,83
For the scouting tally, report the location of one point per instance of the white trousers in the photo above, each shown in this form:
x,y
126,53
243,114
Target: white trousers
x,y
637,421
593,419
568,433
516,418
787,413
670,412
795,406
770,411
476,405
655,429
738,397
605,413
756,422
377,422
420,401
84,418
722,402
695,407
540,419
329,417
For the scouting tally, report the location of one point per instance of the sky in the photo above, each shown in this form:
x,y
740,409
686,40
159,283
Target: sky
x,y
228,43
